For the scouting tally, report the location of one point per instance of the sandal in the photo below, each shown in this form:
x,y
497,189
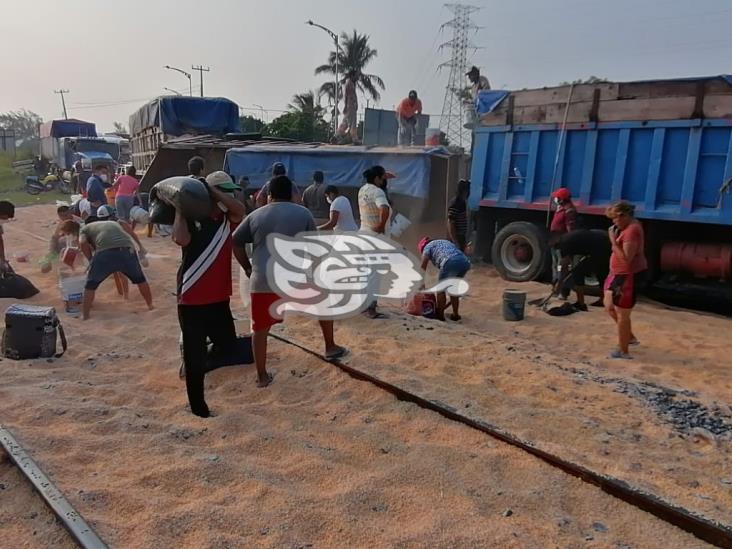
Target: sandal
x,y
336,353
617,353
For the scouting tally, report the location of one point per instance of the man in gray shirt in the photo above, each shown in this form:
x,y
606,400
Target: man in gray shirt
x,y
314,199
279,216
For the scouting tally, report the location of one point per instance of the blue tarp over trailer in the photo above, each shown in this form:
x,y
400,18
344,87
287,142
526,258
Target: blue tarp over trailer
x,y
187,115
343,166
68,128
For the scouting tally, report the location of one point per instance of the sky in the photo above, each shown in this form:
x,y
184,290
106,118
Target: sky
x,y
110,54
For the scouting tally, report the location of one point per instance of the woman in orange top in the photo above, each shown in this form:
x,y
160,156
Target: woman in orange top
x,y
627,272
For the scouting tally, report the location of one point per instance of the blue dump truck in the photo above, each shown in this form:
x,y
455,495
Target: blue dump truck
x,y
665,146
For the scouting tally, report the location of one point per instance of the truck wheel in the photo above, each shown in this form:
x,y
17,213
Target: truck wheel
x,y
520,251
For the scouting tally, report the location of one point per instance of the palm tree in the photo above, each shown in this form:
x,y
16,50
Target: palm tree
x,y
355,53
306,103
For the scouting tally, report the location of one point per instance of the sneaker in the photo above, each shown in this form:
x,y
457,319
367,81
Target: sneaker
x,y
617,353
634,342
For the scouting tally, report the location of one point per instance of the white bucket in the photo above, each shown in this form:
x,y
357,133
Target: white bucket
x,y
432,137
72,287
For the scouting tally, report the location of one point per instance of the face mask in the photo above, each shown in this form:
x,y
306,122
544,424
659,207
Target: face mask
x,y
556,201
222,207
104,178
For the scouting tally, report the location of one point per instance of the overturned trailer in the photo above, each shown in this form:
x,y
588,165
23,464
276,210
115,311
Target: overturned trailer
x,y
426,176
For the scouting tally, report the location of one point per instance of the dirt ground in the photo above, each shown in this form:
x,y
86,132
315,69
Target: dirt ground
x,y
320,459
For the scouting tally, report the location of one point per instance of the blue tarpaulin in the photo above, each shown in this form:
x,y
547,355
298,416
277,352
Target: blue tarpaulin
x,y
488,100
343,166
68,128
187,115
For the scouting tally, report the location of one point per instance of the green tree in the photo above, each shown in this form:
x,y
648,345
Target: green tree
x,y
24,123
303,122
299,126
354,54
251,124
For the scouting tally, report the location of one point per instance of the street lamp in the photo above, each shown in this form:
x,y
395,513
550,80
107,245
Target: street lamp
x,y
186,74
176,92
334,36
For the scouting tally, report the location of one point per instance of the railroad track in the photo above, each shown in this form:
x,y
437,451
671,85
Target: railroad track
x,y
83,534
703,528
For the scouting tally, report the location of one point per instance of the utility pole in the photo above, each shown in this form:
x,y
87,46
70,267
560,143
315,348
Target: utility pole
x,y
201,69
451,121
334,36
63,103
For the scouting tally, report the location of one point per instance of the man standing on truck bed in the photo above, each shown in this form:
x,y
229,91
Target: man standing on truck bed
x,y
407,112
477,82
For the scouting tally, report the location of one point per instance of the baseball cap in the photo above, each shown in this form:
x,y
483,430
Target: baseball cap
x,y
422,243
103,212
278,168
222,181
413,93
562,193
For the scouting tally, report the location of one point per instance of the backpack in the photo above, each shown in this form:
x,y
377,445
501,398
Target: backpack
x,y
15,286
31,331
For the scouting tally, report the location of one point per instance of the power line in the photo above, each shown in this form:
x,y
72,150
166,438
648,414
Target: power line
x,y
63,102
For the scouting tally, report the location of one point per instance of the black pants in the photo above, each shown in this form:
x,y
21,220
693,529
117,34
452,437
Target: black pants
x,y
199,323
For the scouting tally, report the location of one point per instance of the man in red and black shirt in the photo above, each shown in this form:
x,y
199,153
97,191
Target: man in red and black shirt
x,y
563,222
204,283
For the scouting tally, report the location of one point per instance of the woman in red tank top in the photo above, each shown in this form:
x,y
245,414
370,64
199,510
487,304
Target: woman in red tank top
x,y
627,272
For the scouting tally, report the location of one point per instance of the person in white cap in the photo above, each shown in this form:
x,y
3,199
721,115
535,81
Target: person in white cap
x,y
204,283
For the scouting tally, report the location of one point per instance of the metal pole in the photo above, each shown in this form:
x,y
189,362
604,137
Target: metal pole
x,y
184,73
201,70
559,149
63,102
335,123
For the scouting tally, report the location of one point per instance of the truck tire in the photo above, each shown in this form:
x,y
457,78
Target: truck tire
x,y
520,251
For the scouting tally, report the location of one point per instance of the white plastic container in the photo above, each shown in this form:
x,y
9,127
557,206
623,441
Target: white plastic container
x,y
398,225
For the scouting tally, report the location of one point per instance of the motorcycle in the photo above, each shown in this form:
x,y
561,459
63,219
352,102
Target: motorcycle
x,y
34,185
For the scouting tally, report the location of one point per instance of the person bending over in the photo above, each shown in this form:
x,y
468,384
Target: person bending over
x,y
451,262
109,250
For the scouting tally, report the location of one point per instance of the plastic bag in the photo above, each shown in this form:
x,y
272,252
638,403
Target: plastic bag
x,y
421,304
16,286
244,288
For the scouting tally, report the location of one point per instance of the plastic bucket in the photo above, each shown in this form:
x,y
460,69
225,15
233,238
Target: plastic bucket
x,y
432,137
514,302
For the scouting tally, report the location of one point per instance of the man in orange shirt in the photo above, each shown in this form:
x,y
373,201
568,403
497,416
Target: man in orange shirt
x,y
407,112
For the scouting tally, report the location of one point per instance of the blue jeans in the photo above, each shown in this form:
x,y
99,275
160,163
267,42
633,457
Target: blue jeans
x,y
455,267
124,205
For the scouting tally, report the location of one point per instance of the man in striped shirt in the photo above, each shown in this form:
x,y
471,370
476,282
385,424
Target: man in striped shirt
x,y
457,216
204,282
